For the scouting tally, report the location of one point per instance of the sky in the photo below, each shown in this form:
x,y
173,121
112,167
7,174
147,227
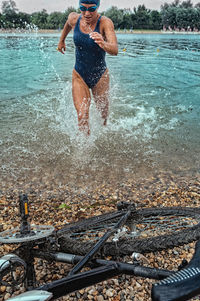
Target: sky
x,y
61,5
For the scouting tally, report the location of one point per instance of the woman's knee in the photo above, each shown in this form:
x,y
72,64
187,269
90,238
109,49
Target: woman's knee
x,y
82,108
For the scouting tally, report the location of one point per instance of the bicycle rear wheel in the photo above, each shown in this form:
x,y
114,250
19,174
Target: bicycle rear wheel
x,y
154,229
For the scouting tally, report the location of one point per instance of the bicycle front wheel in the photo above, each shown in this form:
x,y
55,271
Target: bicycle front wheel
x,y
154,229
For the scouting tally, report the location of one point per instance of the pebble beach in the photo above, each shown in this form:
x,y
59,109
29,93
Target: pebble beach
x,y
148,153
61,205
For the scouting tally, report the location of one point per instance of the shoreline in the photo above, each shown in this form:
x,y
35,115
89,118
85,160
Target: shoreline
x,y
136,31
144,184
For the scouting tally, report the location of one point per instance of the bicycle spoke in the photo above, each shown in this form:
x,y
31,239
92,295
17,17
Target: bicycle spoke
x,y
163,225
147,226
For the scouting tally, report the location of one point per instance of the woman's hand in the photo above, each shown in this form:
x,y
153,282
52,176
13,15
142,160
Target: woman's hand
x,y
97,37
61,47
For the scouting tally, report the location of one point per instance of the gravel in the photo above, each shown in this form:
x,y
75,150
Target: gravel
x,y
58,206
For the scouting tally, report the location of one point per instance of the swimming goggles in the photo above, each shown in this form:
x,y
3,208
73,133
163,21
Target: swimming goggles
x,y
90,9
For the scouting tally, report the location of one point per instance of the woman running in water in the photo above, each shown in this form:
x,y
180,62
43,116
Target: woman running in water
x,y
94,35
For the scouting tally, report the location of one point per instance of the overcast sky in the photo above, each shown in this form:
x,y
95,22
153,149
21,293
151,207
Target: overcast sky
x,y
61,5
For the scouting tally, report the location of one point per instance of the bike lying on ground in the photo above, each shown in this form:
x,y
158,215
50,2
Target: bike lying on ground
x,y
127,231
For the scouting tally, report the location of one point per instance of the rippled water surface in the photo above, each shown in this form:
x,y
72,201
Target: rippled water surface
x,y
154,121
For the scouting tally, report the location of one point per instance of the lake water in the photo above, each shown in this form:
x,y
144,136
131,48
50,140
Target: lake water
x,y
154,120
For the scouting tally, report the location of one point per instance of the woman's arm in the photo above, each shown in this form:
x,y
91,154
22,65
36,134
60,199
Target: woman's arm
x,y
110,43
70,23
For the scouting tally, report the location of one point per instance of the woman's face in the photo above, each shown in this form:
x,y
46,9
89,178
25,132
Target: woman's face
x,y
89,16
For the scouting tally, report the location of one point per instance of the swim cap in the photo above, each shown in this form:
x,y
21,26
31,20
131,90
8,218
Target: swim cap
x,y
97,2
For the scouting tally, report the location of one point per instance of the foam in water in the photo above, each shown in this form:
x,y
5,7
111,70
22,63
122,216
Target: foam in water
x,y
148,104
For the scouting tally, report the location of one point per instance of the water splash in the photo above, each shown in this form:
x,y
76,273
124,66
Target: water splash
x,y
153,122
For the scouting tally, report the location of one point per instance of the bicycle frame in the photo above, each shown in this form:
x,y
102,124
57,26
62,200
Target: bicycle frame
x,y
100,269
28,252
181,287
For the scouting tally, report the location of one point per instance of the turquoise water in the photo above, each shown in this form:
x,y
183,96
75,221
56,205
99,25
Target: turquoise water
x,y
154,122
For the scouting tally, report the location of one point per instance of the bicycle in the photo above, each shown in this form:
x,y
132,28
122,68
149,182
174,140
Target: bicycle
x,y
117,234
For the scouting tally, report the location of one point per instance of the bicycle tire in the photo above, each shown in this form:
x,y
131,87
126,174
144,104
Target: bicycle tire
x,y
126,246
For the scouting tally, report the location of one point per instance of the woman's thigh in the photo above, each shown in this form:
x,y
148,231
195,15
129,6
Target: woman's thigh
x,y
80,92
102,87
101,95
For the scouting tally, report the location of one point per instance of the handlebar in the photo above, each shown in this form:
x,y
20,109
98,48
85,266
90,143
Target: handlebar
x,y
182,285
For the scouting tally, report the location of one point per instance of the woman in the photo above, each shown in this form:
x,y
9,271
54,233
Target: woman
x,y
93,37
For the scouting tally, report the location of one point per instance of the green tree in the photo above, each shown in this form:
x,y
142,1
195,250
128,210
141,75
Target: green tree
x,y
133,20
115,15
54,20
40,19
165,6
193,17
1,21
186,4
181,15
127,22
65,15
23,19
9,12
155,20
197,21
175,3
169,17
174,14
142,17
8,7
182,18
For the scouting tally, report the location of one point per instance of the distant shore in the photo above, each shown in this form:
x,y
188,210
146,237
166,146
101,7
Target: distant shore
x,y
135,31
150,31
54,31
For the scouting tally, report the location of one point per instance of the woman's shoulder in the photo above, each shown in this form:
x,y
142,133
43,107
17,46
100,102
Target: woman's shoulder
x,y
106,21
73,18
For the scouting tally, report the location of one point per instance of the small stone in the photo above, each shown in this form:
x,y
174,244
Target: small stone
x,y
7,296
78,295
22,290
109,292
100,298
99,288
84,296
138,285
2,289
90,297
91,292
9,290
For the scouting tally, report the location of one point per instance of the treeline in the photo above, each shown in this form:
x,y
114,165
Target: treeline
x,y
177,15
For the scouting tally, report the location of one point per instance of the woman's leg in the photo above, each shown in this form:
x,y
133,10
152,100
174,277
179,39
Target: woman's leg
x,y
101,95
82,100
